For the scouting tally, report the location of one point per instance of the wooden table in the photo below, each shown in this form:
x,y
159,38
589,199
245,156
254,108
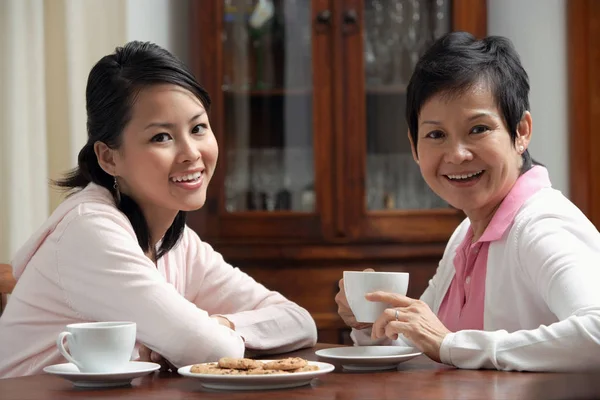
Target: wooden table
x,y
419,378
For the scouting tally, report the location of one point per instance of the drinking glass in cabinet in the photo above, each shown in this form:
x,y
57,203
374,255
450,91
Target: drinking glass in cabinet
x,y
267,176
270,179
236,180
299,178
394,181
396,34
257,37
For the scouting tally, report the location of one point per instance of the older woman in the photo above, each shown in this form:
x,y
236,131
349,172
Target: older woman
x,y
517,286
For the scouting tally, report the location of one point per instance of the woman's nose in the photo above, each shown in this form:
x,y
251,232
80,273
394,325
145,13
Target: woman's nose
x,y
189,151
458,153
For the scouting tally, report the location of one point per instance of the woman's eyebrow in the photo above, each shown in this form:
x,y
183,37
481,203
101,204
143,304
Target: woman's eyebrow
x,y
169,125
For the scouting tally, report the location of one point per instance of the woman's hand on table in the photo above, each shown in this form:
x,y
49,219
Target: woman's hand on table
x,y
344,308
151,356
411,318
223,321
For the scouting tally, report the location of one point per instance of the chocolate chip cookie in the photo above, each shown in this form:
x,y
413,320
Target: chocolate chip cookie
x,y
286,364
239,363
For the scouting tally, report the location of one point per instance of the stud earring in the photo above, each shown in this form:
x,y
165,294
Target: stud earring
x,y
521,149
117,192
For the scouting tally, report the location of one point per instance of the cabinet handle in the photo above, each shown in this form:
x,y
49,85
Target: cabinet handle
x,y
350,17
324,17
350,20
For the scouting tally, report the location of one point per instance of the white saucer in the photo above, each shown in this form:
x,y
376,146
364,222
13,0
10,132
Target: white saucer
x,y
369,358
134,369
258,382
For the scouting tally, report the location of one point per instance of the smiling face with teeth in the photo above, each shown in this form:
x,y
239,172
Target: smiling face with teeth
x,y
168,152
465,151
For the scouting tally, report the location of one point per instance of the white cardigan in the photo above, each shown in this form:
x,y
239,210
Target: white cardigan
x,y
542,293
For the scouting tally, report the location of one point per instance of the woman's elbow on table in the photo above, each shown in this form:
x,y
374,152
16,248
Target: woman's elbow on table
x,y
312,340
303,332
210,348
310,328
231,345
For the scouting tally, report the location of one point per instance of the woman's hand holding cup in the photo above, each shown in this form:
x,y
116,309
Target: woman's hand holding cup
x,y
344,309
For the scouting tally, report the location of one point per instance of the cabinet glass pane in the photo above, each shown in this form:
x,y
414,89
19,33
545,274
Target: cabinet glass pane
x,y
396,33
268,97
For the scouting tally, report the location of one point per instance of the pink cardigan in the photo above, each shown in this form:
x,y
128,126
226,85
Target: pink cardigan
x,y
85,264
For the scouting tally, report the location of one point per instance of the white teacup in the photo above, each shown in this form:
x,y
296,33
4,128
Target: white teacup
x,y
98,347
358,283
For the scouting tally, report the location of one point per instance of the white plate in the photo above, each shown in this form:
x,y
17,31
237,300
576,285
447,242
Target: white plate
x,y
369,358
258,382
133,370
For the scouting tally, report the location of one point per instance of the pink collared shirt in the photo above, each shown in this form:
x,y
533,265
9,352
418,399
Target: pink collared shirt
x,y
462,307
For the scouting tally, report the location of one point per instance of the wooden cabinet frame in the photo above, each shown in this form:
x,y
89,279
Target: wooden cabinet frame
x,y
583,49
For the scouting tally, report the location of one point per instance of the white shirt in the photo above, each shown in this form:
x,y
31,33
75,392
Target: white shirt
x,y
542,293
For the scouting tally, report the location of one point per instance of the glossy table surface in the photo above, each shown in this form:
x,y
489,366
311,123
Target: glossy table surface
x,y
419,378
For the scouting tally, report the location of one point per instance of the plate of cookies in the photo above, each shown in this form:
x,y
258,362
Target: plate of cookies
x,y
247,374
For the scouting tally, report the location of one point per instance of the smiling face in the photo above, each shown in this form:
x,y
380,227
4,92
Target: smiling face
x,y
465,151
168,151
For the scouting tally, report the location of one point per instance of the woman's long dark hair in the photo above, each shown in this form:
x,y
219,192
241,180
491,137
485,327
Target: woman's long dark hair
x,y
112,87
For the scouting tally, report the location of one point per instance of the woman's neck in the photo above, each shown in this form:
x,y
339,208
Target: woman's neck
x,y
159,221
480,219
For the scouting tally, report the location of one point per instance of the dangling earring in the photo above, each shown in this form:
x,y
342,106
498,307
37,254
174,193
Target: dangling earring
x,y
117,192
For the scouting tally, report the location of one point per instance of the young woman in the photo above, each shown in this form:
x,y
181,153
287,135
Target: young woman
x,y
517,286
118,248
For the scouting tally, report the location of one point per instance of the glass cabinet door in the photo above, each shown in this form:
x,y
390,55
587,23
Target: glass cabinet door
x,y
395,35
267,86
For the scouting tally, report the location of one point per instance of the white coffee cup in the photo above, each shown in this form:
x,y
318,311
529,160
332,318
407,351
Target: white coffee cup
x,y
358,283
98,347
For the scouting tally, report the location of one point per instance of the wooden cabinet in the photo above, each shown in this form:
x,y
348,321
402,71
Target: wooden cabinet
x,y
583,38
315,174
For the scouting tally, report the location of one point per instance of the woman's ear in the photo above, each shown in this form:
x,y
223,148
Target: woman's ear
x,y
524,132
413,148
106,158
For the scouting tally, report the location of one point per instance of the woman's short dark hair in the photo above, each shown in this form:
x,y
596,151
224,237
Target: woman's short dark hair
x,y
455,63
112,87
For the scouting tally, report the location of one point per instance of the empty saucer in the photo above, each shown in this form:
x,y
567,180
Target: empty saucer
x,y
369,358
